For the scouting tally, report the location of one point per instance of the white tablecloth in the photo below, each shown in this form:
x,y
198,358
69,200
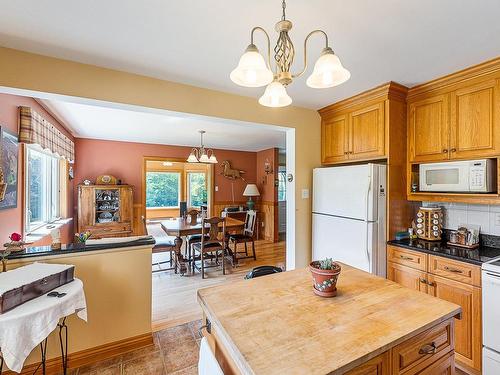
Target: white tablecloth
x,y
26,326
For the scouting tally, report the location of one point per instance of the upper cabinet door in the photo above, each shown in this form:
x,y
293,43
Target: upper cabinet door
x,y
473,132
429,129
334,143
367,132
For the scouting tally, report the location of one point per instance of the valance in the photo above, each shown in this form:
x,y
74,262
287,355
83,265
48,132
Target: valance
x,y
35,129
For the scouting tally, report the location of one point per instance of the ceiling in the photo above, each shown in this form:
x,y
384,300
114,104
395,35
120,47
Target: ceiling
x,y
117,124
199,42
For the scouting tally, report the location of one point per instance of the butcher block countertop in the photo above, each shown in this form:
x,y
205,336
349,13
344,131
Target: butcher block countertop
x,y
276,324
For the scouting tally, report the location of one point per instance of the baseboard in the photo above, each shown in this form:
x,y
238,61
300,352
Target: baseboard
x,y
88,356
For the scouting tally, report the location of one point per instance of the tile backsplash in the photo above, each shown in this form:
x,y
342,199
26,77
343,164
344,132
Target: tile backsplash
x,y
486,216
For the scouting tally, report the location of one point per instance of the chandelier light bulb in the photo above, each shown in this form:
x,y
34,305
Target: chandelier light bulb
x,y
252,70
328,71
275,96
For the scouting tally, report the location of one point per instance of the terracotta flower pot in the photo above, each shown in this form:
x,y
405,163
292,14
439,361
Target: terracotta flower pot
x,y
325,281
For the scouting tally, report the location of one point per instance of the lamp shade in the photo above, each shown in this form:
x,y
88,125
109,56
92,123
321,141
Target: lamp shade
x,y
252,70
251,191
192,158
275,96
328,71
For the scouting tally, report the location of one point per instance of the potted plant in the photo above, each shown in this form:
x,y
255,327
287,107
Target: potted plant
x,y
325,274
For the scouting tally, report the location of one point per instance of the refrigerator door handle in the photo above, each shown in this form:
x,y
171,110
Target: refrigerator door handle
x,y
367,198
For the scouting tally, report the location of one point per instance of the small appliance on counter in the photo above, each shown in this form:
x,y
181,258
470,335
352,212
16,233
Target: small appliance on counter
x,y
466,236
429,223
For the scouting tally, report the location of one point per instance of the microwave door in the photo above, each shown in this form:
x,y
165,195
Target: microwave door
x,y
452,178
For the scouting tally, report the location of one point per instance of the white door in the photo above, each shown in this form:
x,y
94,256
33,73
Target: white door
x,y
491,362
345,240
345,191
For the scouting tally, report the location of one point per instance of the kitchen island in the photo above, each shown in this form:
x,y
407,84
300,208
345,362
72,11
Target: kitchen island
x,y
276,325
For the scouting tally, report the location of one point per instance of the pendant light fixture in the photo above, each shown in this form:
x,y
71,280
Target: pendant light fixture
x,y
254,71
201,154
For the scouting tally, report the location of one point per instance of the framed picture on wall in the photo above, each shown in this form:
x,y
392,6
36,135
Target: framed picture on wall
x,y
9,155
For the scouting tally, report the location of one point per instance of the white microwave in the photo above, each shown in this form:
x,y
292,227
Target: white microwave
x,y
470,176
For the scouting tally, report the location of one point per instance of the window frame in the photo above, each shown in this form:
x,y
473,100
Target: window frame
x,y
52,200
179,195
188,185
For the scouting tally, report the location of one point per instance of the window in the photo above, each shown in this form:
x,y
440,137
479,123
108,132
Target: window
x,y
196,188
42,188
163,189
282,184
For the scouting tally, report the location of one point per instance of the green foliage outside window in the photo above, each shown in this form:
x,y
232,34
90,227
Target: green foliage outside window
x,y
162,189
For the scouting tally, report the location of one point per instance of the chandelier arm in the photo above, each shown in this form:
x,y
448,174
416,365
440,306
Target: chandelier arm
x,y
268,43
305,49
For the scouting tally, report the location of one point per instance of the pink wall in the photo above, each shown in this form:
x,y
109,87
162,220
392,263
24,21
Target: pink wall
x,y
11,219
124,160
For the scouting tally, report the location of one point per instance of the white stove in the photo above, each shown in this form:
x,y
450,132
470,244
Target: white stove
x,y
491,317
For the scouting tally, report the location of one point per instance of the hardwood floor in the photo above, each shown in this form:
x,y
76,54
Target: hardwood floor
x,y
174,296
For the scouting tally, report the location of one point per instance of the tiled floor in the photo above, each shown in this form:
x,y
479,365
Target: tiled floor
x,y
175,351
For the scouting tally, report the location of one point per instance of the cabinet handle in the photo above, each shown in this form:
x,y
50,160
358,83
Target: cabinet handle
x,y
428,349
433,284
346,152
453,150
404,257
445,151
454,270
423,281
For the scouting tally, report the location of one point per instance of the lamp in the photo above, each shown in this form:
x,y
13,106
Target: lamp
x,y
201,154
251,190
254,70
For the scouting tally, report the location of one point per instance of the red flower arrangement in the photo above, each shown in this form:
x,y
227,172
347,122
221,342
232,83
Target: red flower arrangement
x,y
15,237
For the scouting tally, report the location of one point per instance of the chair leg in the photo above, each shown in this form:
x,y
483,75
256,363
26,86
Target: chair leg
x,y
246,249
202,265
235,259
223,262
253,249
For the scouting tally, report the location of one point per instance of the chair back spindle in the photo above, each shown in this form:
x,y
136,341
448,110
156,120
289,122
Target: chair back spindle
x,y
250,220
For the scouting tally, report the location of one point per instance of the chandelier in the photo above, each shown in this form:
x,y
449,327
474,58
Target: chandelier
x,y
254,71
201,154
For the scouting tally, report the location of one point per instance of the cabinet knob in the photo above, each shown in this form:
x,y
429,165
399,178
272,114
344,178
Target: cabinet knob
x,y
431,284
423,281
453,150
445,151
428,349
346,152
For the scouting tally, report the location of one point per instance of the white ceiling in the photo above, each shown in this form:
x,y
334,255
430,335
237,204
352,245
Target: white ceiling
x,y
199,42
117,124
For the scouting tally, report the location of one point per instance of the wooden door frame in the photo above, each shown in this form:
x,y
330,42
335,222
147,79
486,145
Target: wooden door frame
x,y
210,182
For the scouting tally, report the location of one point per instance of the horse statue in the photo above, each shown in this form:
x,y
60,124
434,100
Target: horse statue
x,y
229,172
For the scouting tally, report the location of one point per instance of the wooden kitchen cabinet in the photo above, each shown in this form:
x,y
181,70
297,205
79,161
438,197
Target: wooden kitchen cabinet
x,y
335,139
407,276
363,127
472,127
379,365
429,129
468,336
451,280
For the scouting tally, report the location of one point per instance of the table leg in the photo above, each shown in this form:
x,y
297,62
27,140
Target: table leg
x,y
1,364
63,341
180,260
43,350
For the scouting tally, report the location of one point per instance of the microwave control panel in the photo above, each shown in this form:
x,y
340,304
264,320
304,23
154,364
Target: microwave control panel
x,y
477,178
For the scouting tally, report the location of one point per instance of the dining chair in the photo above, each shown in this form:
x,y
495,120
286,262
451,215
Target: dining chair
x,y
210,246
245,237
163,244
192,238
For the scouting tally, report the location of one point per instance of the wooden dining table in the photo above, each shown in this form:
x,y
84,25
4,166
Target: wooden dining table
x,y
180,227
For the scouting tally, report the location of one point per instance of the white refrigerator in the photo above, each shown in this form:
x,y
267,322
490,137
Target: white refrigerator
x,y
349,205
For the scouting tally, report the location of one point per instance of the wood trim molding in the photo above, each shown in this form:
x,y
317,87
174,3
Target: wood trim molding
x,y
92,355
390,90
459,77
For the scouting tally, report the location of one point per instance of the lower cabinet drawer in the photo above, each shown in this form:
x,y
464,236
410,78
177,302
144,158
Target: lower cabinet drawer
x,y
405,257
379,365
419,352
455,270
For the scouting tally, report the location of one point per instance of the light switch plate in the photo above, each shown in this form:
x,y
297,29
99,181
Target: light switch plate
x,y
305,193
216,188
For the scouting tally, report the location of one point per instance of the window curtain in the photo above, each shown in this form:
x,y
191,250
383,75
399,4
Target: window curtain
x,y
34,129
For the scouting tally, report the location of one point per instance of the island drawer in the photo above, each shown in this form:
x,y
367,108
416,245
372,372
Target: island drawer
x,y
407,257
455,270
419,352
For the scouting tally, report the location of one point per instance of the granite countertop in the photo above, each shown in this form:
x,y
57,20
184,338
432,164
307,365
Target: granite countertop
x,y
41,251
477,256
290,330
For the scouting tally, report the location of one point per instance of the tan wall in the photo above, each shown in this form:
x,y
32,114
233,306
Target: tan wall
x,y
118,291
29,71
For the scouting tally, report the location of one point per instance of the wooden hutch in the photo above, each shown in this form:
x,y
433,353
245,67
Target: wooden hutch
x,y
105,210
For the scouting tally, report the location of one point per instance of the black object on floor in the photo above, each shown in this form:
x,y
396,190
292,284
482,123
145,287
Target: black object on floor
x,y
262,271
